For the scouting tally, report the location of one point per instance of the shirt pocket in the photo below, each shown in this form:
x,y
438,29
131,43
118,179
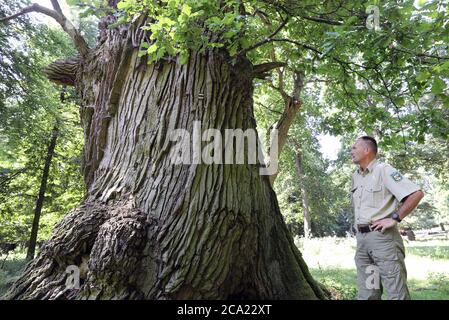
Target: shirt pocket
x,y
353,194
374,195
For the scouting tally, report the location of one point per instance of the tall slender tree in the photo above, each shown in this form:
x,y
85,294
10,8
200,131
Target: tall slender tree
x,y
41,197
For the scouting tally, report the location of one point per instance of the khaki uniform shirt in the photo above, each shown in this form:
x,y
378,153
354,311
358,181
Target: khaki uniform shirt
x,y
377,191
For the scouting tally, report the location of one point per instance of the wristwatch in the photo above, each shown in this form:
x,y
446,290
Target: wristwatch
x,y
395,216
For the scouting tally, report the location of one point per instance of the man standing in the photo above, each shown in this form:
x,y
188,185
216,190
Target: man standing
x,y
377,190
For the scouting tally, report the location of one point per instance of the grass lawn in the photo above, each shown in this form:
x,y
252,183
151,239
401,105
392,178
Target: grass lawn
x,y
331,261
10,268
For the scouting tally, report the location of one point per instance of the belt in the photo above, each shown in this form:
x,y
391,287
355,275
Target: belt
x,y
364,228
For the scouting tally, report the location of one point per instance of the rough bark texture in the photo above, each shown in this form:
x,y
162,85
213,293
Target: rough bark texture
x,y
153,230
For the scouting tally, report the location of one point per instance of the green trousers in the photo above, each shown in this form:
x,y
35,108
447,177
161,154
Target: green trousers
x,y
380,265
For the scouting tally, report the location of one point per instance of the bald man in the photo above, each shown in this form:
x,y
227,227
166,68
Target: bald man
x,y
381,198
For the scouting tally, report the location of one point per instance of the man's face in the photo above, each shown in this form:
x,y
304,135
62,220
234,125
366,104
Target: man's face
x,y
359,151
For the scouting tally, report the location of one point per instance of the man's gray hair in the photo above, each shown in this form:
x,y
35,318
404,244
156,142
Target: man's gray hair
x,y
370,142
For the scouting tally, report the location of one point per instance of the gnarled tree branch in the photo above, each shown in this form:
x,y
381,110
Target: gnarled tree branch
x,y
66,24
292,104
63,71
260,71
56,6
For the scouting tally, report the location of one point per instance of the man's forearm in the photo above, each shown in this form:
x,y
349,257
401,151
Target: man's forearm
x,y
410,203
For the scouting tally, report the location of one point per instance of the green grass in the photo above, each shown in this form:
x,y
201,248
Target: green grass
x,y
340,282
435,287
434,252
10,269
331,262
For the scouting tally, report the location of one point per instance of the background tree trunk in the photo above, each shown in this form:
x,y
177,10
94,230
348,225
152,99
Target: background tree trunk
x,y
304,197
292,105
149,229
41,196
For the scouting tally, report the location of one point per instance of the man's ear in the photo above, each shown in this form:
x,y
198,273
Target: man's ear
x,y
366,150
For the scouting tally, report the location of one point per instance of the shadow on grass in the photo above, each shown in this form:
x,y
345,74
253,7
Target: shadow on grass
x,y
435,287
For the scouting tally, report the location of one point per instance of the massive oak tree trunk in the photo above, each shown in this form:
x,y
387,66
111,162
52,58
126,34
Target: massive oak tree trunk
x,y
149,229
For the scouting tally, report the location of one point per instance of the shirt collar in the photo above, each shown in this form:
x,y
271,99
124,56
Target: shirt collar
x,y
369,168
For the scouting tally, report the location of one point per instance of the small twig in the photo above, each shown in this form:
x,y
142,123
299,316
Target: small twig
x,y
322,20
267,39
419,54
269,109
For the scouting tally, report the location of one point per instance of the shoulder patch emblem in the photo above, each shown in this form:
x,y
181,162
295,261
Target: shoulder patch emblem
x,y
396,176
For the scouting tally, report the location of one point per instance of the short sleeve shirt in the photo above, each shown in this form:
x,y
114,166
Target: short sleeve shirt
x,y
377,191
